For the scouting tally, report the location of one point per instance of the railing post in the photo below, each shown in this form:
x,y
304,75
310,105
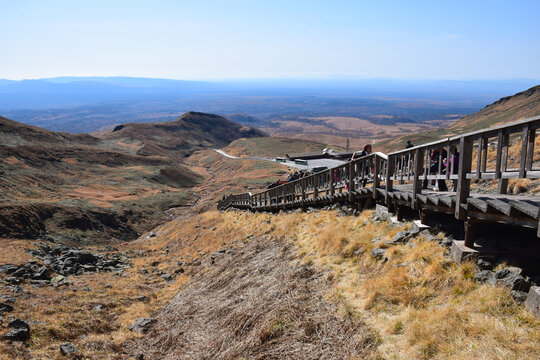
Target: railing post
x,y
417,183
502,151
390,165
351,181
464,184
332,189
376,180
530,150
524,143
303,184
478,157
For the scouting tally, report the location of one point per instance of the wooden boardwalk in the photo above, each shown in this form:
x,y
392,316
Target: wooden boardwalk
x,y
403,179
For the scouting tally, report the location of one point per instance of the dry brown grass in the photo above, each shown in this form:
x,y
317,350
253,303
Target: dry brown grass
x,y
515,186
423,305
335,130
257,302
68,313
426,306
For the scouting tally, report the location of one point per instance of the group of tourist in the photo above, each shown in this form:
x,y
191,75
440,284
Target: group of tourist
x,y
439,159
449,163
297,175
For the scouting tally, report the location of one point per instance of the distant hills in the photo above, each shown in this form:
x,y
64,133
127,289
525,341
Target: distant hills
x,y
191,131
89,104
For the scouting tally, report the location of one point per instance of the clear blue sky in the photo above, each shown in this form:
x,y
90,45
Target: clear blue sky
x,y
199,39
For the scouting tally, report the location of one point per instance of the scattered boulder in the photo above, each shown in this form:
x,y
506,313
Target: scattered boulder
x,y
18,324
484,264
19,334
68,349
58,280
484,276
4,308
511,278
167,277
142,298
402,237
519,296
141,325
378,254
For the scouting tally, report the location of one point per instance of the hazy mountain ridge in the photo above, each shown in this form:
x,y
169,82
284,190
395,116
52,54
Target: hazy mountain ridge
x,y
191,131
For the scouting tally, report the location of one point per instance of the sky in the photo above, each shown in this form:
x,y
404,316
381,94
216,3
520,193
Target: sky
x,y
256,39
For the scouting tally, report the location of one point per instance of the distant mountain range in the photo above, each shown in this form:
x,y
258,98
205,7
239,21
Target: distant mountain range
x,y
88,104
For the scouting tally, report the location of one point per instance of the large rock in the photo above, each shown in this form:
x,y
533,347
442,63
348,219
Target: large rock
x,y
8,268
141,325
401,237
378,254
483,264
20,334
484,276
4,308
533,300
68,349
510,279
18,324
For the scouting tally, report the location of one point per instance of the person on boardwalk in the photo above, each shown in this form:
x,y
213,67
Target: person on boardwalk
x,y
409,144
436,156
367,165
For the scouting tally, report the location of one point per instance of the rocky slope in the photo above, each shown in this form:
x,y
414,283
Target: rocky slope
x,y
85,188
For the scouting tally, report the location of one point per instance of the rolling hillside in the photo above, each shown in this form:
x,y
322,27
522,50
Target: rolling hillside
x,y
85,188
191,131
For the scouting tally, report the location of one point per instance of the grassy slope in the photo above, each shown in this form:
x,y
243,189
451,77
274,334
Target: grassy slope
x,y
410,310
273,146
78,177
413,306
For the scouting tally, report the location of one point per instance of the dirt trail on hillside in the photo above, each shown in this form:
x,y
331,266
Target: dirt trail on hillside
x,y
256,302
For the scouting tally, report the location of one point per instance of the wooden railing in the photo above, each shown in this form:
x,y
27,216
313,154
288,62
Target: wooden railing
x,y
458,159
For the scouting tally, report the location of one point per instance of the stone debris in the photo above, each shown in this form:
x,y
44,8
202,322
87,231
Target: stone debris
x,y
378,254
68,349
55,263
20,332
141,325
511,278
4,308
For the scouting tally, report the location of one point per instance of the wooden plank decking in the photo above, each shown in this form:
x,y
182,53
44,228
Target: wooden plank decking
x,y
396,179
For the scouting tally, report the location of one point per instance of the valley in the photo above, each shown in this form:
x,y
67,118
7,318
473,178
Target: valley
x,y
151,270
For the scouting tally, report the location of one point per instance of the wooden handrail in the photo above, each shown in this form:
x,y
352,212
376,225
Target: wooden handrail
x,y
414,165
